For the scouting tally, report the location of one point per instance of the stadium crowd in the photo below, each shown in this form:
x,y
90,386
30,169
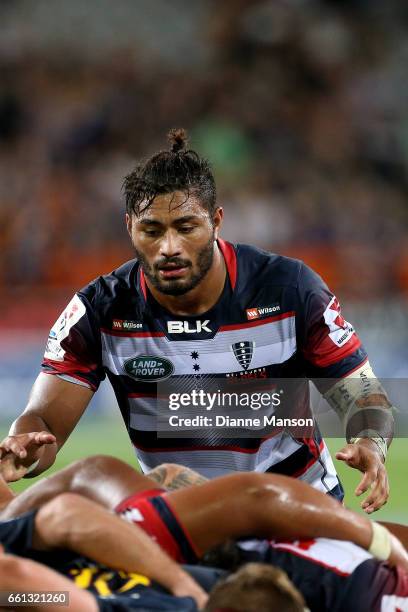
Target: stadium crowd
x,y
300,106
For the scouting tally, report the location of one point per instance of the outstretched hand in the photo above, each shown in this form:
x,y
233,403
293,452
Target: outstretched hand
x,y
20,451
365,457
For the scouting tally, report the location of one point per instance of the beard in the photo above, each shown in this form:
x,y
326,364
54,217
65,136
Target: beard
x,y
179,286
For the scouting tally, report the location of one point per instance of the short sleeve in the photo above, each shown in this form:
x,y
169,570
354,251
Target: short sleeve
x,y
329,343
16,535
73,350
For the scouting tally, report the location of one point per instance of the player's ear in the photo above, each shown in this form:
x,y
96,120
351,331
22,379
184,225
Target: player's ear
x,y
217,221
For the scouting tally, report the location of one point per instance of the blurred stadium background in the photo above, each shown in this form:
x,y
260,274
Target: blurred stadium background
x,y
302,105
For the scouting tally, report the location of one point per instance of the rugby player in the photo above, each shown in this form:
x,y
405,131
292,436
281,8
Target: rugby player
x,y
86,531
309,535
192,306
255,587
29,572
266,588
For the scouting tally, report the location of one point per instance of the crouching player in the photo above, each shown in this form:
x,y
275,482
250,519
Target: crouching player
x,y
324,543
96,549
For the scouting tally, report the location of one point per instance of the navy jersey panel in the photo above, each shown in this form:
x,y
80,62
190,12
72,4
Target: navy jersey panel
x,y
16,535
156,599
329,344
120,590
331,575
277,308
148,601
325,589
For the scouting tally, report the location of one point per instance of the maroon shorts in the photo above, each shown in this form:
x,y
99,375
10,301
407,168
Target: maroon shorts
x,y
152,511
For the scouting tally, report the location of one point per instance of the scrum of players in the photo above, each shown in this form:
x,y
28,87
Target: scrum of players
x,y
267,530
115,539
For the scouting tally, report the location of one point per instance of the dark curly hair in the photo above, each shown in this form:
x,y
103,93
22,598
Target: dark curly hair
x,y
177,169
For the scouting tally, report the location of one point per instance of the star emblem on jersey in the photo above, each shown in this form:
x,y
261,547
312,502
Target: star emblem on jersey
x,y
243,352
194,355
196,367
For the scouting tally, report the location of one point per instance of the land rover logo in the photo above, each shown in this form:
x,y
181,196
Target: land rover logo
x,y
149,368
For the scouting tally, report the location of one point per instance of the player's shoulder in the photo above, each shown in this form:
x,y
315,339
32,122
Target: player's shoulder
x,y
115,285
262,266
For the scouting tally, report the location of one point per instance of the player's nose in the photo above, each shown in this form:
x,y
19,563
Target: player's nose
x,y
170,245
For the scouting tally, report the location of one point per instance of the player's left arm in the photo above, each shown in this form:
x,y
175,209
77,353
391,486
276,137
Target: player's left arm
x,y
338,364
362,403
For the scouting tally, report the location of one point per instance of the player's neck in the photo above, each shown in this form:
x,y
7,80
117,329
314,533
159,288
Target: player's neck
x,y
201,298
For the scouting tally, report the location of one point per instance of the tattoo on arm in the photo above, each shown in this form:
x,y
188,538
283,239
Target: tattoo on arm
x,y
159,474
185,478
173,477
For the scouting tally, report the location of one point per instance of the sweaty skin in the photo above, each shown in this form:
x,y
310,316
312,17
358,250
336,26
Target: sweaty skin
x,y
54,407
178,229
15,572
63,522
233,506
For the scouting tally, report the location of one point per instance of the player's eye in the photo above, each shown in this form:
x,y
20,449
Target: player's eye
x,y
151,232
186,229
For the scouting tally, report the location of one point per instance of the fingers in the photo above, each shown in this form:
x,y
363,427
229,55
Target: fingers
x,y
342,456
365,483
10,470
11,474
13,445
379,493
44,437
349,454
22,448
367,460
19,443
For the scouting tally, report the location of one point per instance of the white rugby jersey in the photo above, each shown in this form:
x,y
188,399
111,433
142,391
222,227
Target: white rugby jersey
x,y
275,319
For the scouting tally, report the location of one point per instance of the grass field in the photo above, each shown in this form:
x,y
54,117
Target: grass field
x,y
109,437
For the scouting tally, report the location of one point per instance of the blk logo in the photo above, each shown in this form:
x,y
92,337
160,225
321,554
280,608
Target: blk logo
x,y
243,352
188,327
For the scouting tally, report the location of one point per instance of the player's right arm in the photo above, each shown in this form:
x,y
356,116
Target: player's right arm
x,y
54,408
71,373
